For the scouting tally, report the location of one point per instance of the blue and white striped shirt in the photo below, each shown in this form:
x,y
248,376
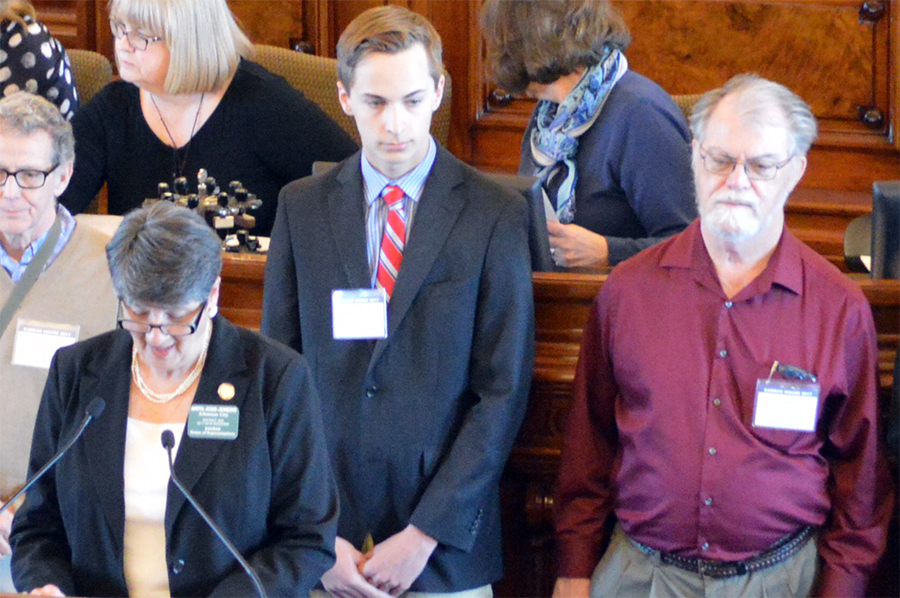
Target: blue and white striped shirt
x,y
17,269
374,183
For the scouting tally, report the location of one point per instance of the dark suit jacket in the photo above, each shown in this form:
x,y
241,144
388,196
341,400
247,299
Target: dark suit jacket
x,y
419,424
271,489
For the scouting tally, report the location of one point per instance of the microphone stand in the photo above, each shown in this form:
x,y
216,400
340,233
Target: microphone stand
x,y
94,409
168,442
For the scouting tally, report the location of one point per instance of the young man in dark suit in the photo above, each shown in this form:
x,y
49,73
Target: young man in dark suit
x,y
403,275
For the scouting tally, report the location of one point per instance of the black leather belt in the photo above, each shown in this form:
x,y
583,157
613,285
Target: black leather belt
x,y
778,552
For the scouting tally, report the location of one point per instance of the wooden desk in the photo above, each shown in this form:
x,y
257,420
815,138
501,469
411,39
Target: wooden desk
x,y
561,306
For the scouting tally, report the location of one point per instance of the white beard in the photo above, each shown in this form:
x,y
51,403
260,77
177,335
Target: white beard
x,y
731,223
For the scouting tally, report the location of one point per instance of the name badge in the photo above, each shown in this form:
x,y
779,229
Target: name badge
x,y
36,342
358,314
786,405
217,422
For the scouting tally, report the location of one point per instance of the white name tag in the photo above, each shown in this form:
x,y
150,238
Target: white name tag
x,y
36,342
786,405
358,314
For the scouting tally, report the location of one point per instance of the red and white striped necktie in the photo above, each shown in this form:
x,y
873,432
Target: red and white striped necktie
x,y
393,241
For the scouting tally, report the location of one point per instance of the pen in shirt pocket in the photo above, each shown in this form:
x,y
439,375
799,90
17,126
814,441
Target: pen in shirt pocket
x,y
791,371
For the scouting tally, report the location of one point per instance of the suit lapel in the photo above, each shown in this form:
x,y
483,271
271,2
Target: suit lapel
x,y
104,439
347,217
224,364
439,208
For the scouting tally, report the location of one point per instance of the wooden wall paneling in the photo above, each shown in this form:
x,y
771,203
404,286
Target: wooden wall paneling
x,y
317,31
693,46
70,21
894,78
273,22
819,48
450,18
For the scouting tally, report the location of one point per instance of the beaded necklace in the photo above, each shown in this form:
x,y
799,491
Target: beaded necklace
x,y
163,398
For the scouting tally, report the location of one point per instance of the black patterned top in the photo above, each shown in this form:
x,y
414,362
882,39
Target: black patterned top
x,y
33,60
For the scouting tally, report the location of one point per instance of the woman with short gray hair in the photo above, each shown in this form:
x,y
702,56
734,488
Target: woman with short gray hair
x,y
243,418
147,257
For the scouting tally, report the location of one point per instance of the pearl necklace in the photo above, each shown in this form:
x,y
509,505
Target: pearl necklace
x,y
163,398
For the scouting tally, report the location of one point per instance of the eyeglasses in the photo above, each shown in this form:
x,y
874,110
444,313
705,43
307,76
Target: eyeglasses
x,y
757,169
27,178
137,40
169,329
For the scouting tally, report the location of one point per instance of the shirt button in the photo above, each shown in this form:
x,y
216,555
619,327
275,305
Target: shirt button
x,y
712,450
705,546
371,391
717,402
728,304
723,353
707,502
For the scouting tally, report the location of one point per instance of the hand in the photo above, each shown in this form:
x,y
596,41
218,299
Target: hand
x,y
393,565
572,587
344,579
6,518
574,246
47,590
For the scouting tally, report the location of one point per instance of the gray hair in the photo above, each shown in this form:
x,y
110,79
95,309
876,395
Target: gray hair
x,y
756,98
164,256
24,113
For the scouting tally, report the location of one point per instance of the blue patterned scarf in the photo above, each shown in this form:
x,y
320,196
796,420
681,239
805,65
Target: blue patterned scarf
x,y
554,139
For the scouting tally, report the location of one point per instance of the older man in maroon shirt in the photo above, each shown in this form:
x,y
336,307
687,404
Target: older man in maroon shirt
x,y
725,404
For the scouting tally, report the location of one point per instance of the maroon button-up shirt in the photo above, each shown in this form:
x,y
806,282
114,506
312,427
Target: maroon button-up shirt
x,y
661,426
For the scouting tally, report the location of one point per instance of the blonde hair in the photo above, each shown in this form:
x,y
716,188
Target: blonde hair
x,y
204,40
390,30
16,10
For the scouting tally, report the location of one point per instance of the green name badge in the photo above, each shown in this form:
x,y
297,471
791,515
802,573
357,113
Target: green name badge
x,y
217,422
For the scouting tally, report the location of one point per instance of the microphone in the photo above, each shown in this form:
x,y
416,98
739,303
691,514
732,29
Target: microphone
x,y
168,442
94,409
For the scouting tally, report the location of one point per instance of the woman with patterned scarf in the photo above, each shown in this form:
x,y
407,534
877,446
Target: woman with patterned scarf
x,y
611,147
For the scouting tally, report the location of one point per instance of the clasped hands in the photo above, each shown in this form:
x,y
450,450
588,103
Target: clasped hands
x,y
389,569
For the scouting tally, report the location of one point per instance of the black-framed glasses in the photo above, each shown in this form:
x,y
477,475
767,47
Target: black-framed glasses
x,y
169,329
757,169
138,40
27,178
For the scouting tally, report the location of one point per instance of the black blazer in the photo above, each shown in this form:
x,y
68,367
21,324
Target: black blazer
x,y
271,489
419,424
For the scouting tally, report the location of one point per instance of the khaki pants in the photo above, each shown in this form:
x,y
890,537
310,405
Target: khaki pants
x,y
626,571
482,592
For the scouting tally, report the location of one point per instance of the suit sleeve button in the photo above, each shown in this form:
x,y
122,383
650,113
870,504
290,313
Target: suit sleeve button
x,y
177,566
371,391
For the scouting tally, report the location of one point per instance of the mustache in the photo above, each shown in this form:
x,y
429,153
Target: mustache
x,y
735,197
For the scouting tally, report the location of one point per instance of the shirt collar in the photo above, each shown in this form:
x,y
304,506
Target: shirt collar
x,y
785,268
412,182
17,268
